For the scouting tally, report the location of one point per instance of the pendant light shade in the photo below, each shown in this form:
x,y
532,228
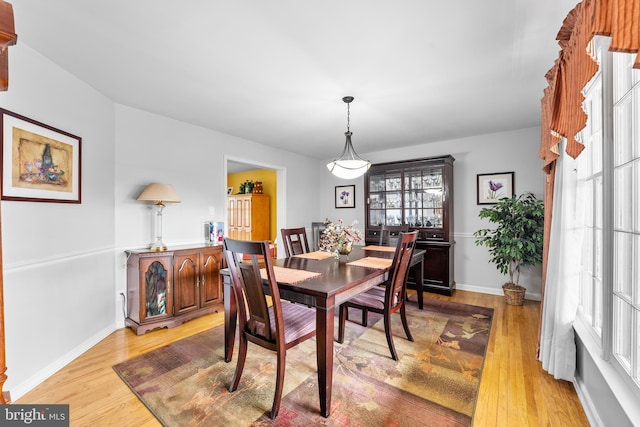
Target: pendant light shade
x,y
349,165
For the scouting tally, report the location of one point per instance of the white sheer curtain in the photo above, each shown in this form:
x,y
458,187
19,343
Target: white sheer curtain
x,y
557,345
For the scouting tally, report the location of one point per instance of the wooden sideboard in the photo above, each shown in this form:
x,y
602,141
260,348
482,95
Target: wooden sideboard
x,y
165,289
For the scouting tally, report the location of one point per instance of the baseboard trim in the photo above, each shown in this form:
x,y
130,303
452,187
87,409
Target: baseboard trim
x,y
587,404
39,377
493,291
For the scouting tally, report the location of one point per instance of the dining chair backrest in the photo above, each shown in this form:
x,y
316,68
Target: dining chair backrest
x,y
295,241
244,260
389,234
397,282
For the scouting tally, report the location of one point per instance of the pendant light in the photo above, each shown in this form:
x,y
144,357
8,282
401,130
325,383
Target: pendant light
x,y
349,165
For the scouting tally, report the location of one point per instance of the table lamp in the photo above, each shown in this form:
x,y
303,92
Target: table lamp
x,y
159,194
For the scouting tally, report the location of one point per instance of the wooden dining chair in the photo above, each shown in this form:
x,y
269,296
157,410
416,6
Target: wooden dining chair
x,y
388,299
295,241
277,327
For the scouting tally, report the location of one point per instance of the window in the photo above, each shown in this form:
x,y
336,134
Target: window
x,y
626,216
590,178
609,173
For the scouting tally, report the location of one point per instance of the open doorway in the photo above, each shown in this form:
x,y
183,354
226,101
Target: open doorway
x,y
239,170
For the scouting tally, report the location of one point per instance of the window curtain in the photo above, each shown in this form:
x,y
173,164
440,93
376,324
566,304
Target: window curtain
x,y
563,116
557,346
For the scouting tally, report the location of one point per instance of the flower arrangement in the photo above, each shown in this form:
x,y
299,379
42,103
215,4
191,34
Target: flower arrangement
x,y
338,237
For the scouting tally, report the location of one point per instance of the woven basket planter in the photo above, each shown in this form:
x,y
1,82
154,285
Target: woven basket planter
x,y
513,294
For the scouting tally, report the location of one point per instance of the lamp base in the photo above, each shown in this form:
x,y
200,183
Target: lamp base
x,y
158,246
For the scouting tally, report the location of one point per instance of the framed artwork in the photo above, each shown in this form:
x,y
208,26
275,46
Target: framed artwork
x,y
39,163
345,196
494,186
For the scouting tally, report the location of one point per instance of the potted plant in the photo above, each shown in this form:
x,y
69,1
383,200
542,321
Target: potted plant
x,y
516,242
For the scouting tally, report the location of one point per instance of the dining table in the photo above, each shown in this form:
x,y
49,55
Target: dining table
x,y
338,281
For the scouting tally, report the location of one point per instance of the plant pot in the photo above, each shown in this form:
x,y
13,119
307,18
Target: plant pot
x,y
513,294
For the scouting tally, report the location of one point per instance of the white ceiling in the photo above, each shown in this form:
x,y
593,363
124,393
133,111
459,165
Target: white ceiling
x,y
275,71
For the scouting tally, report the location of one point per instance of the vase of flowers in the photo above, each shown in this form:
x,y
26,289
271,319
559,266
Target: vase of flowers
x,y
338,238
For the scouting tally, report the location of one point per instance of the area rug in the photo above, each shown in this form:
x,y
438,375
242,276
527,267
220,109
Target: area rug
x,y
434,382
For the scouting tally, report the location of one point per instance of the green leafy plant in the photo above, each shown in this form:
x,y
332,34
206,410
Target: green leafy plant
x,y
516,242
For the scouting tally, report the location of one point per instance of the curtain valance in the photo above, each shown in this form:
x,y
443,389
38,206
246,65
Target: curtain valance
x,y
562,113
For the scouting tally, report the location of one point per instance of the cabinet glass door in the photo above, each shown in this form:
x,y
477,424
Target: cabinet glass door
x,y
385,199
377,200
156,287
423,197
433,197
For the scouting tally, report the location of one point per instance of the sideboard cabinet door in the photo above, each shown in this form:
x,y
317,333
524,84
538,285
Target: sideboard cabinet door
x,y
211,284
149,292
186,272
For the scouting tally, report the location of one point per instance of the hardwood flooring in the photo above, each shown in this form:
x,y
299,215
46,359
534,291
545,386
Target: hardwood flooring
x,y
514,390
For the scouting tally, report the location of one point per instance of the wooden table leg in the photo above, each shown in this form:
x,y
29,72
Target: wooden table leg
x,y
230,317
420,282
324,350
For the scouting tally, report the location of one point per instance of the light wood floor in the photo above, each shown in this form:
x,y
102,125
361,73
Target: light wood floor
x,y
514,390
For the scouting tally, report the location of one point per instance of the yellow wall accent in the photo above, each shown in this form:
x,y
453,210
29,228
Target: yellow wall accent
x,y
269,186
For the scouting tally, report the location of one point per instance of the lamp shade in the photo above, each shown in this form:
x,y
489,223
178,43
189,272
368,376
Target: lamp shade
x,y
348,169
159,193
349,165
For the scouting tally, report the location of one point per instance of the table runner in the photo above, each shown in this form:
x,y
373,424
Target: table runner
x,y
289,275
317,255
380,248
372,262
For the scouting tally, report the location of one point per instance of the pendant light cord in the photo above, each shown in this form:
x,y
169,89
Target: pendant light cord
x,y
348,116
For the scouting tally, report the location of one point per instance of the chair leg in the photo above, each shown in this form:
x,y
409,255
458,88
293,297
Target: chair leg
x,y
242,356
387,331
405,324
342,319
280,365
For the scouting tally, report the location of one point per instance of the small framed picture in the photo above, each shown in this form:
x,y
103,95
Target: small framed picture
x,y
494,186
39,162
345,196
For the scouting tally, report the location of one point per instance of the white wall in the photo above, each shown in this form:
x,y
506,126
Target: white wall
x,y
58,258
514,151
152,148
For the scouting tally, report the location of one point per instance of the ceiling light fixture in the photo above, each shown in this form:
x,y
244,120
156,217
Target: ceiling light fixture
x,y
349,165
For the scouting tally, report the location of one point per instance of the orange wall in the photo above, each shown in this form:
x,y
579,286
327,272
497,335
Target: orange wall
x,y
269,186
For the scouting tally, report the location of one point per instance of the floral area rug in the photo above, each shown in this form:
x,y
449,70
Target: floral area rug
x,y
434,383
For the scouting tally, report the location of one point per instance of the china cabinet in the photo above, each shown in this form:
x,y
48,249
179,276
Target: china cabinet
x,y
248,217
167,288
415,195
